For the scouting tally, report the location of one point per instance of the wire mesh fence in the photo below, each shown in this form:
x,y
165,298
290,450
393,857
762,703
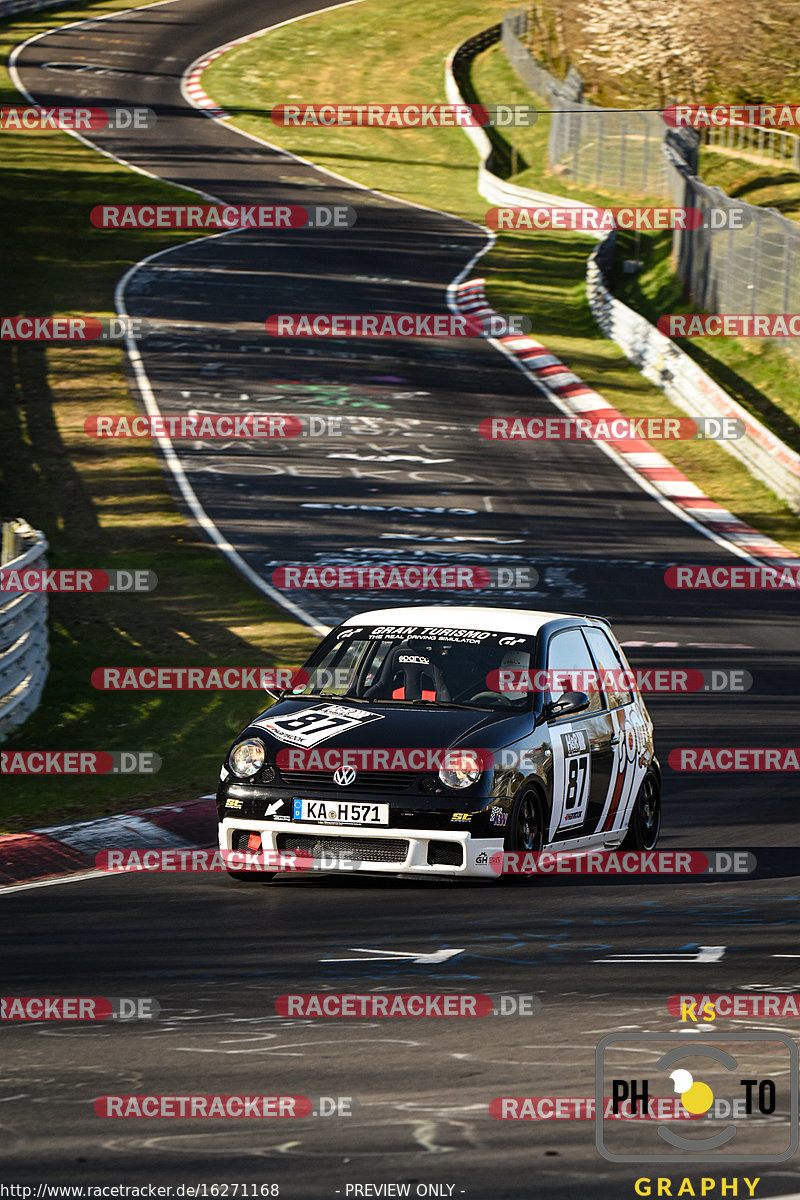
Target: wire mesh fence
x,y
618,149
744,258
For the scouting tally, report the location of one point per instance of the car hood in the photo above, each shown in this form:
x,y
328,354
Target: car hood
x,y
386,725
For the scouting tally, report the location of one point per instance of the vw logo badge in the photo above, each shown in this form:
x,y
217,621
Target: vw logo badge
x,y
344,776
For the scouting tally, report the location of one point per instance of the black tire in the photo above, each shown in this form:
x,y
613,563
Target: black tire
x,y
645,822
526,828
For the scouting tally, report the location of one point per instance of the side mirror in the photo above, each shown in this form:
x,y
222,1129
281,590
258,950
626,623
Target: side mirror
x,y
569,703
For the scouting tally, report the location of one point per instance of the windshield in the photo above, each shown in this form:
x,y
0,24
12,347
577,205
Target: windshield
x,y
420,665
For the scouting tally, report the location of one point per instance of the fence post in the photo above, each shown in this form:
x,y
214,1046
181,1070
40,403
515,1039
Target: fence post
x,y
23,630
9,549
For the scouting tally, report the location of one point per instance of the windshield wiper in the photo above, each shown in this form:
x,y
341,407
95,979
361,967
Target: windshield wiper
x,y
434,703
330,696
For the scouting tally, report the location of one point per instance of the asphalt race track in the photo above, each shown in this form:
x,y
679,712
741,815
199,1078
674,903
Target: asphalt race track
x,y
216,954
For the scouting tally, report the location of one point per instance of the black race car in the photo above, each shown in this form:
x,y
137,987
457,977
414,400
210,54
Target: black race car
x,y
423,740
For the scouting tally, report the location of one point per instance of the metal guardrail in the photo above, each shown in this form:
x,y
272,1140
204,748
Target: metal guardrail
x,y
754,141
23,630
687,385
657,357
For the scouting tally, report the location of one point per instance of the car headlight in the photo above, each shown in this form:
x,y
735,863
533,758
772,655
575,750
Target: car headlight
x,y
461,769
247,758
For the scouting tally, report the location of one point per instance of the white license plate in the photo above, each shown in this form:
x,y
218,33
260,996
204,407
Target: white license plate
x,y
340,812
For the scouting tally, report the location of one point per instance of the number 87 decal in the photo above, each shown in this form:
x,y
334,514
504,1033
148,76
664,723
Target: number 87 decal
x,y
577,776
572,776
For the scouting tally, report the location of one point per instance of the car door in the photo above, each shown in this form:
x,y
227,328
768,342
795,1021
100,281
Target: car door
x,y
582,744
627,763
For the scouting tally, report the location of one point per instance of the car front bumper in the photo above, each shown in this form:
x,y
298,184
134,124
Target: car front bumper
x,y
359,849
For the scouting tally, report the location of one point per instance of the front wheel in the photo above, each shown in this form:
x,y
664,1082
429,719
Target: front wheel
x,y
526,825
645,822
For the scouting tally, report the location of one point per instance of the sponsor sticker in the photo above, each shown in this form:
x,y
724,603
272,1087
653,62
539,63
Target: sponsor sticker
x,y
310,726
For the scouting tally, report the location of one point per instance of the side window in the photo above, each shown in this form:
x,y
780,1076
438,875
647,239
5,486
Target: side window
x,y
337,674
379,653
608,660
568,652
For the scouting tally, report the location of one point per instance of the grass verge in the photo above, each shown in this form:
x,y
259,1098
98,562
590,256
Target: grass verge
x,y
312,60
107,505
